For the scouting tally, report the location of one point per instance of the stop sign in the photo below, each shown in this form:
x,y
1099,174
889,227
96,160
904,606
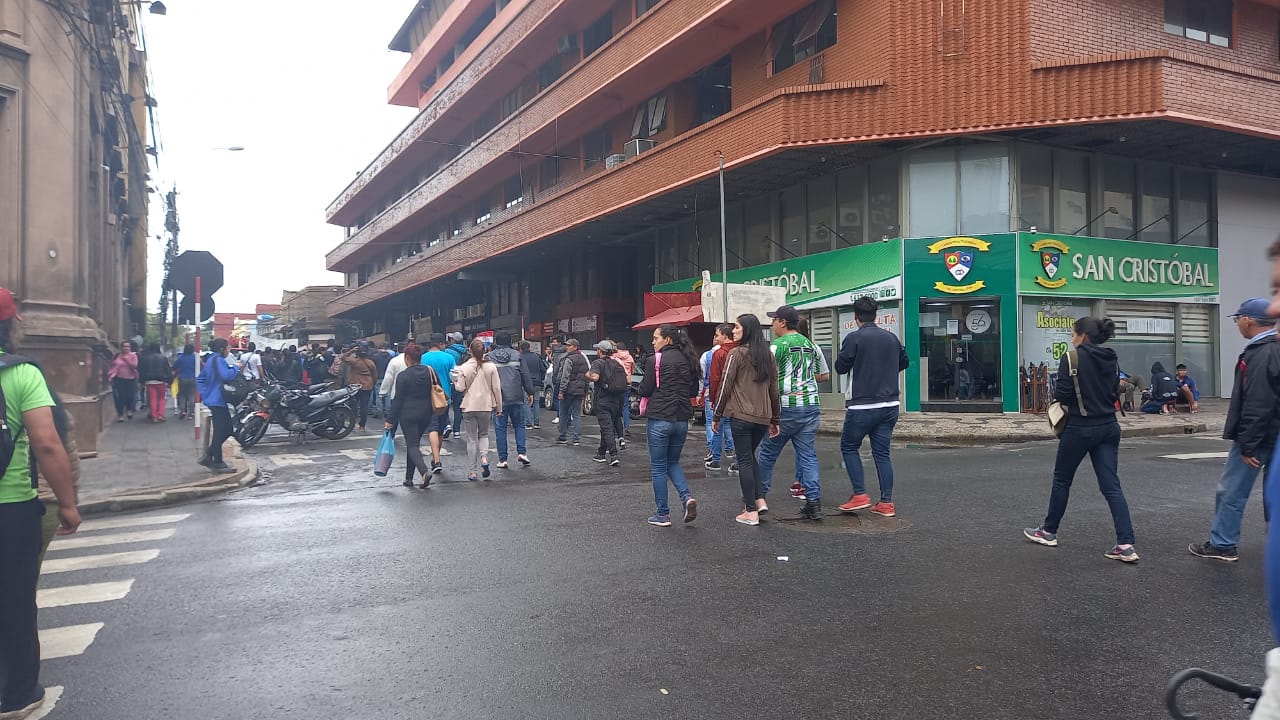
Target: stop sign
x,y
196,263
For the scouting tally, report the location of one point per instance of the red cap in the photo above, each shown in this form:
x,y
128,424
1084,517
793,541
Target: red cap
x,y
8,306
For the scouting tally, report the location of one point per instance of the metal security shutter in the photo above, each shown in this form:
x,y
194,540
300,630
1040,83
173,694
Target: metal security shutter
x,y
822,327
1197,323
1122,311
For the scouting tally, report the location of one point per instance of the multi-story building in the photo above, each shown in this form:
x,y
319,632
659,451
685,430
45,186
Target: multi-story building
x,y
73,187
565,160
304,313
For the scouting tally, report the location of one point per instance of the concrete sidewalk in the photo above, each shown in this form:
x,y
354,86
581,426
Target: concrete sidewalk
x,y
141,464
964,429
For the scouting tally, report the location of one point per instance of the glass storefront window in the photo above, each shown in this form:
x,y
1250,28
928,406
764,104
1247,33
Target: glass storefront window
x,y
791,210
960,350
821,199
667,255
851,188
1035,187
1117,184
758,221
687,242
709,241
984,189
1155,204
884,191
1071,211
932,180
1195,189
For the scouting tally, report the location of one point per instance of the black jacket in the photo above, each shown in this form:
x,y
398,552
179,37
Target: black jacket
x,y
1164,387
536,367
154,366
574,367
413,396
670,397
872,354
1099,374
1252,418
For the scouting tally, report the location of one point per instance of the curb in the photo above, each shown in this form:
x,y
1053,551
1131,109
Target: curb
x,y
174,494
1003,438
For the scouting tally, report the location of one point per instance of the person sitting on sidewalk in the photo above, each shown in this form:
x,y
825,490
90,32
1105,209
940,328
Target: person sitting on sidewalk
x,y
1164,392
1253,420
1131,385
1188,393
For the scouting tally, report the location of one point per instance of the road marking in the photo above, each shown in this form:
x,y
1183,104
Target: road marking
x,y
51,697
286,459
67,641
125,522
82,594
93,562
72,542
1197,456
357,454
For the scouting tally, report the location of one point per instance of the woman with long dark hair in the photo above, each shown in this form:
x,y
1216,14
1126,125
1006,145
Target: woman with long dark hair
x,y
749,398
478,379
411,408
671,383
123,375
1088,381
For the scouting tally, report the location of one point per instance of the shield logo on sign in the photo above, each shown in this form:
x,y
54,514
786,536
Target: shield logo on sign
x,y
1051,261
959,263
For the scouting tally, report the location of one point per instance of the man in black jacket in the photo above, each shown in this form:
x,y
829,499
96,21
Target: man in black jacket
x,y
573,388
537,369
1252,424
873,357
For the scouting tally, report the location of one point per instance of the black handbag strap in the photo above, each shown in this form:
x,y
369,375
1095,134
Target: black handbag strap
x,y
1073,367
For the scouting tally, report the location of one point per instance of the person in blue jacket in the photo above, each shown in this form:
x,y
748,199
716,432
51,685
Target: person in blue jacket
x,y
216,371
1268,707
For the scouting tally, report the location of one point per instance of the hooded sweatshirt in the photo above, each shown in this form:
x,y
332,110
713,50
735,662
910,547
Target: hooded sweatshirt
x,y
517,386
628,362
1164,387
1098,373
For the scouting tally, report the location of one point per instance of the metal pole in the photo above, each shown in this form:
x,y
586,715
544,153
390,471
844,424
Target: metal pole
x,y
724,245
199,408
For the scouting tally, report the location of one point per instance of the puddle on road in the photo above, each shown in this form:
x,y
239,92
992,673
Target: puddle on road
x,y
840,523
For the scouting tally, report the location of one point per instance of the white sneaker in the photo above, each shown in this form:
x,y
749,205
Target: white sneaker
x,y
524,459
445,451
555,421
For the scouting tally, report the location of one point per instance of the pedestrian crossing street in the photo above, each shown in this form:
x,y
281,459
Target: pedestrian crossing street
x,y
105,543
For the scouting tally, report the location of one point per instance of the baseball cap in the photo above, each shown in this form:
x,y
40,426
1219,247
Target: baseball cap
x,y
1255,308
572,341
605,346
8,306
455,337
786,313
435,338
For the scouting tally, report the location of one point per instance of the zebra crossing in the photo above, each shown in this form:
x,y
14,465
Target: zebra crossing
x,y
102,540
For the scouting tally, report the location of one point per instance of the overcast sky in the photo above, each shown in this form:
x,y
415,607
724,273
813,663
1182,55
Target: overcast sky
x,y
302,86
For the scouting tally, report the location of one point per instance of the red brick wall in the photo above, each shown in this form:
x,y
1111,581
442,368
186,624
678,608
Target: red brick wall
x,y
1098,27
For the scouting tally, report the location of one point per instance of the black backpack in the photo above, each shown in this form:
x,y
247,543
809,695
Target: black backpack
x,y
613,378
8,438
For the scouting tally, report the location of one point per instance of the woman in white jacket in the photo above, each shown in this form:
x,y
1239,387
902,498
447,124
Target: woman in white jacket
x,y
478,379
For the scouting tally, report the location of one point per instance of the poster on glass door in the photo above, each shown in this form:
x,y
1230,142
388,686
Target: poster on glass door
x,y
1046,329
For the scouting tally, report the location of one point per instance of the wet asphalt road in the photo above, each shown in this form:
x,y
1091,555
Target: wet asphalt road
x,y
329,593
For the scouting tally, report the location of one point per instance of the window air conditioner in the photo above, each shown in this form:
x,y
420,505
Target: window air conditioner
x,y
614,161
637,146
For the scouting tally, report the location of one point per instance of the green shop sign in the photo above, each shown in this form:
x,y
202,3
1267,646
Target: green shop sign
x,y
1071,266
826,279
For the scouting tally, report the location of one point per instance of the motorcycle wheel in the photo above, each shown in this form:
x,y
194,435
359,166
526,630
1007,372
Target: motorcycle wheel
x,y
252,431
342,420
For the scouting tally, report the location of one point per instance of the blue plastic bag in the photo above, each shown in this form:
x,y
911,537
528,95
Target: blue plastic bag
x,y
386,453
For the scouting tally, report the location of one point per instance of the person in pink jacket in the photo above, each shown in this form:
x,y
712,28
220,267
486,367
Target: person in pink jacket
x,y
123,375
478,379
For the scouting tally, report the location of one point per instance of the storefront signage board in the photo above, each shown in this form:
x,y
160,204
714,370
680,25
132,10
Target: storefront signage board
x,y
1071,266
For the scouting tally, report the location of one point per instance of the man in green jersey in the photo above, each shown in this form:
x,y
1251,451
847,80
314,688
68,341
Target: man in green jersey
x,y
801,366
28,418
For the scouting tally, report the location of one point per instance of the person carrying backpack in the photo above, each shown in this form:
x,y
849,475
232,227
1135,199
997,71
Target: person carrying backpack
x,y
517,392
28,440
1164,391
610,387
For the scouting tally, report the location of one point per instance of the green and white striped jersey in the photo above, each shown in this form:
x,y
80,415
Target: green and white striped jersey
x,y
799,363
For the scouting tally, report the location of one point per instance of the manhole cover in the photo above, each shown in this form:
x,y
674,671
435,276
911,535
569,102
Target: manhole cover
x,y
840,523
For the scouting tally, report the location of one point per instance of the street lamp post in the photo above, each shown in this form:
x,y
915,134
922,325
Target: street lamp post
x,y
724,245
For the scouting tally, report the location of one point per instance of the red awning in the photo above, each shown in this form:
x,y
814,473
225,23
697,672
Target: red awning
x,y
675,316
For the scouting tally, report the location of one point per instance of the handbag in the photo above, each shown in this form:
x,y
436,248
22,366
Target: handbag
x,y
386,453
439,398
1058,413
336,368
657,382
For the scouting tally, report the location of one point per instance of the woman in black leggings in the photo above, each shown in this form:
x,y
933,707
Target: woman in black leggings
x,y
749,398
412,410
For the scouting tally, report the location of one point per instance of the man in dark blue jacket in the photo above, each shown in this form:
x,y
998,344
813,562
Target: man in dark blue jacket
x,y
873,357
517,391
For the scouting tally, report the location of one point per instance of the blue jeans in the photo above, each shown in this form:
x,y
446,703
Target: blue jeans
x,y
511,414
718,443
571,414
555,397
800,426
666,442
1233,493
1102,444
626,410
858,425
457,413
535,408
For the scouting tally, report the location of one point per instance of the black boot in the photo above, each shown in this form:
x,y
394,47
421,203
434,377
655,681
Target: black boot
x,y
812,510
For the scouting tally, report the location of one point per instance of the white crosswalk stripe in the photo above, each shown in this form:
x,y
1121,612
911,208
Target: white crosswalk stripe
x,y
72,640
1197,456
51,697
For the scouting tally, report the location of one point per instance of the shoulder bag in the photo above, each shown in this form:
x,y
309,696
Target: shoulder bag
x,y
439,399
1058,413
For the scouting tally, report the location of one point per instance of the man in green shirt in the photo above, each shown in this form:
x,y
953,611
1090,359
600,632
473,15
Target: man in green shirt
x,y
28,408
801,366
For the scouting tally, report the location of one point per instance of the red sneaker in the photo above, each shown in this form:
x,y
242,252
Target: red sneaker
x,y
857,502
797,490
884,509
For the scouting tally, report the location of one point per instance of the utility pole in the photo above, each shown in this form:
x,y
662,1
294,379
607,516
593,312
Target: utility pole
x,y
167,292
724,245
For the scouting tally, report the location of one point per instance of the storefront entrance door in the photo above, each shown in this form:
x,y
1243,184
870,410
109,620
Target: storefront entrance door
x,y
960,354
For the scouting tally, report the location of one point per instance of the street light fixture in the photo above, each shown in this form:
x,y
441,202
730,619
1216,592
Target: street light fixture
x,y
232,148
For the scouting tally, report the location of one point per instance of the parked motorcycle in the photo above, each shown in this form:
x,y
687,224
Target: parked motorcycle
x,y
329,414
